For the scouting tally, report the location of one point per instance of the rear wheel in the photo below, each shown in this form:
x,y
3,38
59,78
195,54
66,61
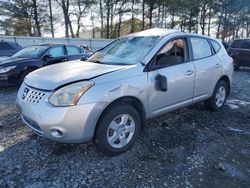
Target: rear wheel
x,y
118,129
219,96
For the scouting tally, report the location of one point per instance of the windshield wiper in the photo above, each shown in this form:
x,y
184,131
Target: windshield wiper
x,y
121,64
107,63
96,61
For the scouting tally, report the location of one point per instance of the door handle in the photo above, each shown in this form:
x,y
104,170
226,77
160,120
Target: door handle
x,y
189,72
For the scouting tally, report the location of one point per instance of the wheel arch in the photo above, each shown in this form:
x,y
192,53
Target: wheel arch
x,y
226,79
27,69
131,100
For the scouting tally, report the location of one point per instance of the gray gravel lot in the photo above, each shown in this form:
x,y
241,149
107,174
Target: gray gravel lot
x,y
191,147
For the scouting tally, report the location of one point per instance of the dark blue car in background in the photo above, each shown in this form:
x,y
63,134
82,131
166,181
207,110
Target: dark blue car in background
x,y
13,69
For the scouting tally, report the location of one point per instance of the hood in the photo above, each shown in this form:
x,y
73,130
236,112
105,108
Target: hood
x,y
9,61
54,76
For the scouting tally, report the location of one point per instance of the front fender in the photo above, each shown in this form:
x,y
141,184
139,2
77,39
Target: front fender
x,y
111,91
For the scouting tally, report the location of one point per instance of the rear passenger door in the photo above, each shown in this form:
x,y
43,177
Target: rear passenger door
x,y
208,67
73,53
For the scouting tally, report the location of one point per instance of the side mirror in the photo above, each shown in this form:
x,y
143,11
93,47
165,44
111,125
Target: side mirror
x,y
47,57
161,83
84,58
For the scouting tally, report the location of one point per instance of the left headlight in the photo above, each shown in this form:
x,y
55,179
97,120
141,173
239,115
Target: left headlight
x,y
6,69
70,94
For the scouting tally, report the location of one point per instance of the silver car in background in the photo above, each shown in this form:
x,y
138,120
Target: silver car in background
x,y
108,98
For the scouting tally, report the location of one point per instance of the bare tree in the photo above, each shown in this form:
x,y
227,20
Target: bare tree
x,y
108,2
51,19
67,22
101,16
38,28
143,14
81,8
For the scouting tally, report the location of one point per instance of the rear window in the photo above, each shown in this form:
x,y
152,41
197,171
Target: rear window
x,y
5,46
215,45
57,51
73,50
201,48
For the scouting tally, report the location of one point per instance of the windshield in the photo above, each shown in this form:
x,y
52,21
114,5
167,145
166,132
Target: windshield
x,y
31,52
127,50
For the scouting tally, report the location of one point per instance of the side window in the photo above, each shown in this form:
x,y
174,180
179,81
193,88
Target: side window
x,y
57,51
73,50
5,46
235,44
201,48
245,44
215,45
173,53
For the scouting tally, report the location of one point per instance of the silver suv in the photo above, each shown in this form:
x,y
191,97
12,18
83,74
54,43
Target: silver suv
x,y
134,78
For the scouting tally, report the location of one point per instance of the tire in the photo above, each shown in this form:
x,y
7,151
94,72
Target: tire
x,y
217,100
110,132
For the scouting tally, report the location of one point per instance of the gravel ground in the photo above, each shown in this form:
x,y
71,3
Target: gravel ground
x,y
191,147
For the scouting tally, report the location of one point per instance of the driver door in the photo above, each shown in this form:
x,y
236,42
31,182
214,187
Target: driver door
x,y
55,55
171,63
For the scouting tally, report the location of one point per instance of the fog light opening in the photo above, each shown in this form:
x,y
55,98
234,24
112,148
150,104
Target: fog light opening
x,y
56,133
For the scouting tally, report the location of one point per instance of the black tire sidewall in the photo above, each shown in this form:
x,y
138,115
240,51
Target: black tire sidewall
x,y
219,84
101,132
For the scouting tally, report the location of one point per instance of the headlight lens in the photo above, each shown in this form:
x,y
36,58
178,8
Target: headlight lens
x,y
6,69
69,95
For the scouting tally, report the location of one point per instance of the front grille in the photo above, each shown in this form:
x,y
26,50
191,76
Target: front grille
x,y
31,95
32,125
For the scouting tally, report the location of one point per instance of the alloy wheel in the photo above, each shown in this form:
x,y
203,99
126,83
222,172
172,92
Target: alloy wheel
x,y
120,131
220,96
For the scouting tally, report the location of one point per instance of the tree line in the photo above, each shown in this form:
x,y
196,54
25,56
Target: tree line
x,y
225,19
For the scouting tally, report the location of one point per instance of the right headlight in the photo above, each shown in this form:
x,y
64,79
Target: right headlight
x,y
70,94
6,69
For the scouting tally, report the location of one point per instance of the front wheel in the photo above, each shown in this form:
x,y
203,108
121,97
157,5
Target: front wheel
x,y
118,129
219,96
